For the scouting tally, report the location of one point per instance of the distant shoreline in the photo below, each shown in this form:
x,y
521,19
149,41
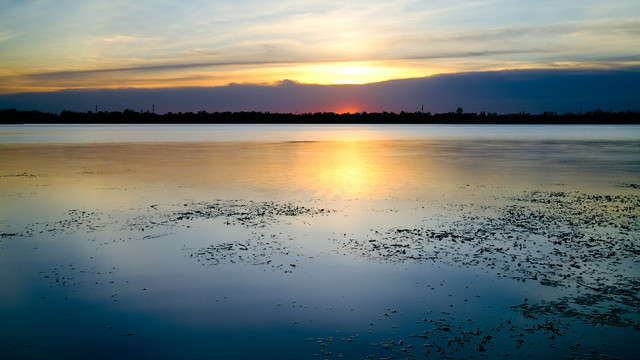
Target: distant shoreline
x,y
17,117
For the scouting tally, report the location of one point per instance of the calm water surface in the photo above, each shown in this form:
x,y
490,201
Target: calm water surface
x,y
294,242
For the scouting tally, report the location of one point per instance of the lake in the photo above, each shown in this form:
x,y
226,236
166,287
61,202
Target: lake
x,y
310,241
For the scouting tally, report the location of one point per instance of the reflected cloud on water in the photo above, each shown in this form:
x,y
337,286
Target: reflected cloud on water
x,y
326,247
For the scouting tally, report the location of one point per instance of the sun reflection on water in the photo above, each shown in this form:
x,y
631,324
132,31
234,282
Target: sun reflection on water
x,y
347,169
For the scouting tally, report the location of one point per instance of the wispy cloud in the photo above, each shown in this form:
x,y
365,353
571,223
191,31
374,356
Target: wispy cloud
x,y
124,39
5,34
268,60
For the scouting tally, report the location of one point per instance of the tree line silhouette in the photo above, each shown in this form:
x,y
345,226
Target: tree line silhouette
x,y
13,116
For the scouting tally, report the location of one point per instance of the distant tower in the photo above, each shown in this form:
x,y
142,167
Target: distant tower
x,y
96,108
422,109
153,108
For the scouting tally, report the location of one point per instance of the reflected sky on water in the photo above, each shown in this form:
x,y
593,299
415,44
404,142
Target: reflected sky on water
x,y
287,242
66,133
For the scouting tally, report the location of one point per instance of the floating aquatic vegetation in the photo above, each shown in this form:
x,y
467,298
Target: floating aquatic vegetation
x,y
258,250
558,239
629,185
242,212
23,174
584,246
610,305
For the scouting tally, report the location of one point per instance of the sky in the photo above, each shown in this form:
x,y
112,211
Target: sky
x,y
68,44
534,91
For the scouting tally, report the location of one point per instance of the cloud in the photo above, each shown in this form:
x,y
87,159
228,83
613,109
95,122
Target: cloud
x,y
239,62
125,43
524,36
124,38
502,91
6,35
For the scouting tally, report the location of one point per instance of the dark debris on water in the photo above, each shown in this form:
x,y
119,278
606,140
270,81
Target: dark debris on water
x,y
559,239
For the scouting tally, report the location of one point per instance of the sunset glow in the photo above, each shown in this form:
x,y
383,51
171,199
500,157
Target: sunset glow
x,y
118,44
355,72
